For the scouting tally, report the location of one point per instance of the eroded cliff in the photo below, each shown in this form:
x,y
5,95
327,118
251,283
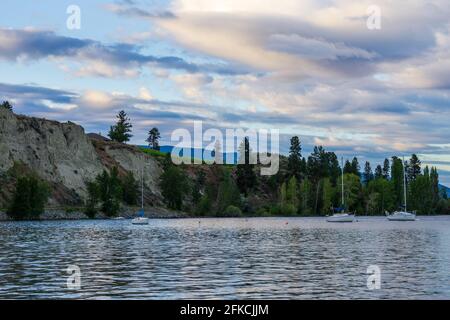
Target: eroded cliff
x,y
63,155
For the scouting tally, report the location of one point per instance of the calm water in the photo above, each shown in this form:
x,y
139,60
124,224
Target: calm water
x,y
226,258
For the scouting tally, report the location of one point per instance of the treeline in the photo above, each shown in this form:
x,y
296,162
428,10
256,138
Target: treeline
x,y
30,195
305,186
108,191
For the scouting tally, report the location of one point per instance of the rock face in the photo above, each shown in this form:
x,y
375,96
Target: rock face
x,y
65,156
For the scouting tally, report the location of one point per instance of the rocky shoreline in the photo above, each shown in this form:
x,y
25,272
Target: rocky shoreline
x,y
127,213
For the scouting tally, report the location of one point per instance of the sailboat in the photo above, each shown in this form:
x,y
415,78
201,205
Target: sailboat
x,y
342,216
141,219
402,215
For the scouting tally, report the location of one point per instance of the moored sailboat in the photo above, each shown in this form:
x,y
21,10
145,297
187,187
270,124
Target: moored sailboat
x,y
141,219
342,216
402,215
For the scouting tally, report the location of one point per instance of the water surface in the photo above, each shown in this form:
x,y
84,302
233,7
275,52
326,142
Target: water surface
x,y
258,258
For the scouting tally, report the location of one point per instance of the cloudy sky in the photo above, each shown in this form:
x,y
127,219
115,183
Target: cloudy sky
x,y
309,68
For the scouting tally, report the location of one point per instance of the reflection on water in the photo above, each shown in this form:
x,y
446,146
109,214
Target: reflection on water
x,y
278,258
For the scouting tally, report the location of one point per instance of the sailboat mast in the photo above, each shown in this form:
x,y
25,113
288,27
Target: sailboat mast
x,y
342,180
404,181
142,188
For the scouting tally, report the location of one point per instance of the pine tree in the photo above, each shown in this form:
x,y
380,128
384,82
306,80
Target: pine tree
x,y
6,105
130,189
414,168
295,158
29,198
397,180
174,187
348,167
153,138
228,194
110,190
434,181
121,131
386,169
246,177
368,174
355,167
378,172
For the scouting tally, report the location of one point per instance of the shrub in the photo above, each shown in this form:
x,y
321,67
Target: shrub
x,y
29,198
232,211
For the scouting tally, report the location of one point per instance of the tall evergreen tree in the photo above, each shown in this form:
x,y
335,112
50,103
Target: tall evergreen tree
x,y
434,181
386,169
295,158
414,167
348,167
355,167
29,198
110,191
153,138
130,189
378,172
246,177
368,174
397,180
6,105
120,132
174,187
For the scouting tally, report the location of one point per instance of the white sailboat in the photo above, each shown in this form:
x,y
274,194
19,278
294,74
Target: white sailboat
x,y
141,219
402,215
343,216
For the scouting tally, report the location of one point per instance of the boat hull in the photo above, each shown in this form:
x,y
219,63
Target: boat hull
x,y
341,218
402,216
139,221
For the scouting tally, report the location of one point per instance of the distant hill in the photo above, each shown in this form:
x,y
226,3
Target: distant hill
x,y
447,189
207,153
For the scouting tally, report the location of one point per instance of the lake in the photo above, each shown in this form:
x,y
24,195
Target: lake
x,y
255,258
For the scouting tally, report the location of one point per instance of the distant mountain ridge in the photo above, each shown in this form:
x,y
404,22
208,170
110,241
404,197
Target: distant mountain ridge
x,y
445,188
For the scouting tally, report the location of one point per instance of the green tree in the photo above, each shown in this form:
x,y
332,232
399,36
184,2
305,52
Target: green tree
x,y
348,167
380,196
93,198
355,167
130,189
434,180
386,169
120,132
397,180
305,197
174,187
153,138
378,172
368,174
110,191
295,158
291,197
328,194
414,168
352,192
6,105
29,198
245,174
228,194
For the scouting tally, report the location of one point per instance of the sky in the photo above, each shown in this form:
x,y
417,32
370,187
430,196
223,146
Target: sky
x,y
308,68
